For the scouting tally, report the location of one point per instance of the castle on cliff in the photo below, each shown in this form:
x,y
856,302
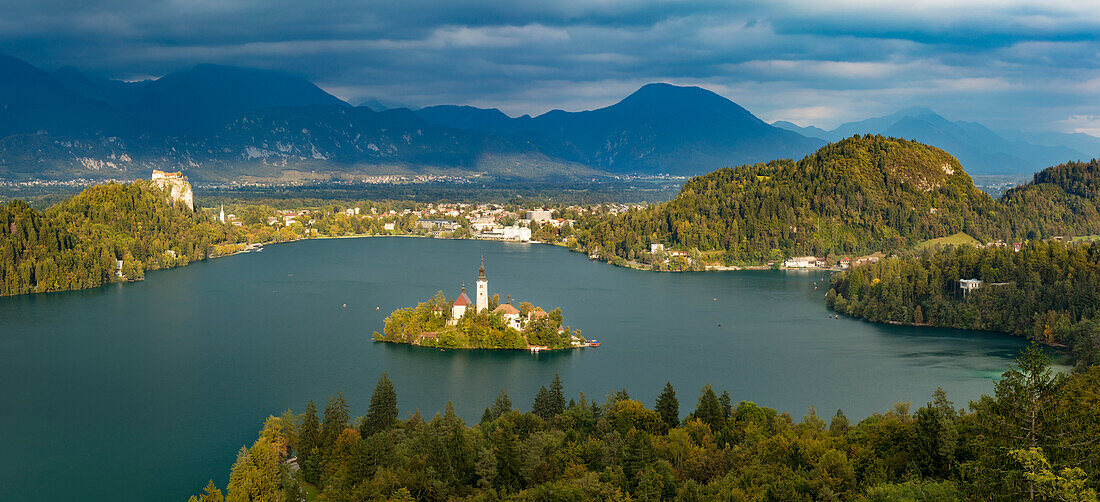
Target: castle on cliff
x,y
179,189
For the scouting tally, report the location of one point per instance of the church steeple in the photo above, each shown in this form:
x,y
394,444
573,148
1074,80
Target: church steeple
x,y
482,299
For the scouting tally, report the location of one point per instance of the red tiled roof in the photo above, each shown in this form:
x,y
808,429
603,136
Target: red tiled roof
x,y
507,309
462,300
538,313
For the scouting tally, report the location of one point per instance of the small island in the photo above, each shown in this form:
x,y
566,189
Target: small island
x,y
485,323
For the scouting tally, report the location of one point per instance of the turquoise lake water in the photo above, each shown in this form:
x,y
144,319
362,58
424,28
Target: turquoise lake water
x,y
144,391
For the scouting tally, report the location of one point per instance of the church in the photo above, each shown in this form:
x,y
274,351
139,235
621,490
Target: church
x,y
481,296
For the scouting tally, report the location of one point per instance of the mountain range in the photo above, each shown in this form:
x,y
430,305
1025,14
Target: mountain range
x,y
978,148
222,123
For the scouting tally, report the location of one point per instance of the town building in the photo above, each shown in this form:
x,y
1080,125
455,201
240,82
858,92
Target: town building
x,y
538,215
437,224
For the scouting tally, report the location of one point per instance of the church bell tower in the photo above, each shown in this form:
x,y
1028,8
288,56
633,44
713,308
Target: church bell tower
x,y
482,288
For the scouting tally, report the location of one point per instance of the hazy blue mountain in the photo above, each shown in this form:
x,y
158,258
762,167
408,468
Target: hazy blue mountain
x,y
206,97
472,118
379,105
658,128
1085,143
200,99
979,149
33,101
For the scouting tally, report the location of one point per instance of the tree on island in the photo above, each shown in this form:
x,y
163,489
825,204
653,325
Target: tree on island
x,y
382,414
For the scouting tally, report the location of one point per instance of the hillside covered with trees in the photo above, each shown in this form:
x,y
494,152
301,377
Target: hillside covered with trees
x,y
857,196
1034,437
75,244
1048,292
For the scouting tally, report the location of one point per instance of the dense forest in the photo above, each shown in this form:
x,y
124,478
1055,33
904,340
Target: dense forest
x,y
75,243
1048,292
1034,438
487,329
857,196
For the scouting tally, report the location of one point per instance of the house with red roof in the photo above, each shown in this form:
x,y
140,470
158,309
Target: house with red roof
x,y
510,315
459,308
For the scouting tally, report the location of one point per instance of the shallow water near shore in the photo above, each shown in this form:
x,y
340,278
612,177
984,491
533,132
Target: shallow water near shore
x,y
144,391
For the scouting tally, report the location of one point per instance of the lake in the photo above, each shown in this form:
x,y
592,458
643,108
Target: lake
x,y
144,391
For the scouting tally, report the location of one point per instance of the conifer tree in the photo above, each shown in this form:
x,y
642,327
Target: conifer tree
x,y
668,407
557,396
502,405
542,405
709,409
727,404
309,437
210,494
336,420
382,414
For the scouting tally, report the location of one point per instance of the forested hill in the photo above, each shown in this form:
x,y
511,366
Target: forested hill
x,y
1060,200
1048,292
75,244
859,195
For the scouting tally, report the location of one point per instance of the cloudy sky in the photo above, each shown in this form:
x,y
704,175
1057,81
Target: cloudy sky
x,y
1025,65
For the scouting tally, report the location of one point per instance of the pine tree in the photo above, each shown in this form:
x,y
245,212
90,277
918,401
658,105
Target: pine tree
x,y
709,409
541,406
336,420
557,396
727,404
502,405
382,413
668,407
309,437
210,494
936,436
487,416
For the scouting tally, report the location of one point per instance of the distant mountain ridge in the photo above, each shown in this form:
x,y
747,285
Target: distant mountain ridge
x,y
978,148
658,128
222,123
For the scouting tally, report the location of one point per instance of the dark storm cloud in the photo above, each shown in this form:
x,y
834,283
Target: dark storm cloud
x,y
1025,64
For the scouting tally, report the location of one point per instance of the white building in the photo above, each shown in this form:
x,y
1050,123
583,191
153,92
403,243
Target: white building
x,y
801,262
968,285
516,233
482,224
538,215
459,308
510,315
656,248
482,288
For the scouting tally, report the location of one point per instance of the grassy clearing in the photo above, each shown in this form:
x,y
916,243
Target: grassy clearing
x,y
958,239
1086,238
